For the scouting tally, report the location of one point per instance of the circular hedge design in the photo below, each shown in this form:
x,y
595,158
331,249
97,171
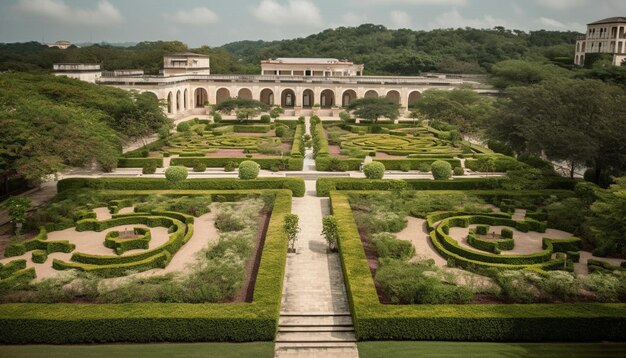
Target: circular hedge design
x,y
393,144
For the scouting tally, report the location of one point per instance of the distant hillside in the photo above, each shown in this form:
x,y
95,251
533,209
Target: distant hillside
x,y
383,51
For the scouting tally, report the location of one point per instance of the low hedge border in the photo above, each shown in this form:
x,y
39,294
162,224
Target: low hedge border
x,y
23,323
19,278
326,185
113,241
293,164
523,322
493,246
297,147
296,185
595,265
139,162
39,243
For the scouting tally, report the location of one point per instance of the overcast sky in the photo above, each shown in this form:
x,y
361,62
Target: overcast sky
x,y
216,22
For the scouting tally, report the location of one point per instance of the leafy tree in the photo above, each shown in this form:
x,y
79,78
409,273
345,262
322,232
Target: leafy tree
x,y
291,229
276,112
330,231
372,108
244,108
17,207
513,73
607,224
461,107
567,120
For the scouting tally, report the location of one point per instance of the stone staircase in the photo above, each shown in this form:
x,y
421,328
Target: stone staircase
x,y
318,334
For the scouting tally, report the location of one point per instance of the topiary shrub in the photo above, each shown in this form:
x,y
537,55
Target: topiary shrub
x,y
248,170
199,167
176,173
405,167
266,118
149,168
39,256
280,131
507,233
458,171
183,127
441,170
374,170
482,229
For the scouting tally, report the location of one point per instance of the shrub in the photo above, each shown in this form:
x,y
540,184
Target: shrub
x,y
176,174
507,233
405,167
39,256
441,170
266,118
149,168
230,166
199,167
291,230
374,170
329,230
217,117
183,127
248,170
280,131
482,229
387,246
458,171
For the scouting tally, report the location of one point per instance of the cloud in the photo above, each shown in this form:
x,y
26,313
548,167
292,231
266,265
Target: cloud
x,y
454,19
562,4
421,2
352,19
518,11
557,25
197,16
294,12
104,14
400,19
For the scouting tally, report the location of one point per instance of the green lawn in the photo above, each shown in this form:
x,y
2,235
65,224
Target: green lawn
x,y
466,349
256,350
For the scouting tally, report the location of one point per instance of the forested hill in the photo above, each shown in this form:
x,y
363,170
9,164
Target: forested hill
x,y
383,51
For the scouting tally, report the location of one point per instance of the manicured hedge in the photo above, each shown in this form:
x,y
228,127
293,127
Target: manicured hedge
x,y
158,260
326,185
562,245
595,265
258,128
295,164
297,147
11,267
39,256
39,243
18,278
163,322
469,322
139,162
396,164
296,185
112,241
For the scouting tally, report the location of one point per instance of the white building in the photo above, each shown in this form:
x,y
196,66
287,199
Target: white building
x,y
186,64
88,72
320,67
604,36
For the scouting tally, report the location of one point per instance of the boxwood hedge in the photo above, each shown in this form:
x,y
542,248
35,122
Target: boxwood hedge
x,y
296,185
292,163
519,322
163,322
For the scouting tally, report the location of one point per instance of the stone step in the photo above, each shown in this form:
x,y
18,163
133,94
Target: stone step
x,y
295,345
315,337
326,350
314,314
334,328
299,321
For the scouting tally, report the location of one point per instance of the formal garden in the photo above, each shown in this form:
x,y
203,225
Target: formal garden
x,y
208,253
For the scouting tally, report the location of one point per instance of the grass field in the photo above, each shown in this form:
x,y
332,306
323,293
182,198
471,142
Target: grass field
x,y
227,350
467,349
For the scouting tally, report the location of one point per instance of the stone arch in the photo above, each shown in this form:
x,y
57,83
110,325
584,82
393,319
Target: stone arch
x,y
222,95
327,99
244,93
288,98
169,103
178,101
394,96
308,98
347,97
185,99
582,60
201,97
371,93
414,97
267,96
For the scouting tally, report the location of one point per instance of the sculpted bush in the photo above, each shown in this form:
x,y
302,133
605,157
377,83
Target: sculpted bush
x,y
248,170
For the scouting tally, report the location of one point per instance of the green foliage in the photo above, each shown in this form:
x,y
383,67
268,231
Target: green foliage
x,y
291,230
513,73
410,283
199,167
462,108
441,170
296,185
39,256
248,170
458,171
183,127
176,174
17,207
139,162
374,170
192,205
245,108
329,230
606,223
372,108
149,168
280,131
266,118
387,246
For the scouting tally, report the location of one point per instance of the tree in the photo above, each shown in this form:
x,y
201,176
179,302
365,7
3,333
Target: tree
x,y
244,108
512,73
330,231
578,121
441,170
276,112
291,229
607,224
17,207
414,115
372,108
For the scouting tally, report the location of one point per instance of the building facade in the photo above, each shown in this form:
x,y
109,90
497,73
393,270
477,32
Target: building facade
x,y
311,67
603,36
186,63
88,72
